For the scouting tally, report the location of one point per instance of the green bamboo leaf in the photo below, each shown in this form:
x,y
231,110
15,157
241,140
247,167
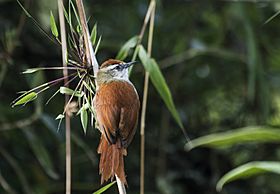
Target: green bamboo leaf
x,y
159,82
98,44
76,15
84,118
131,43
65,90
88,87
99,191
68,91
69,13
41,154
242,135
93,34
53,25
248,170
85,106
25,99
143,55
35,22
66,15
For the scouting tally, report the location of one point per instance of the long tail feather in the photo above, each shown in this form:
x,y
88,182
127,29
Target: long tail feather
x,y
111,160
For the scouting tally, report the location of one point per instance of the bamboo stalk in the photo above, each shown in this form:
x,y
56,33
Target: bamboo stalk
x,y
121,186
146,20
144,103
90,55
67,117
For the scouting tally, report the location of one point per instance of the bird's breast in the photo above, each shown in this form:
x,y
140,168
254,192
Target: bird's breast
x,y
116,93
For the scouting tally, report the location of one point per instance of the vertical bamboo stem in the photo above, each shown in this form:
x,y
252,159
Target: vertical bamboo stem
x,y
67,117
91,58
121,186
142,134
144,103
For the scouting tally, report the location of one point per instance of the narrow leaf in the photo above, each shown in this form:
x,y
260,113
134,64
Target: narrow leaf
x,y
76,15
99,191
237,136
25,99
131,43
159,82
65,90
93,34
98,44
248,170
88,87
84,118
68,91
53,25
66,15
36,23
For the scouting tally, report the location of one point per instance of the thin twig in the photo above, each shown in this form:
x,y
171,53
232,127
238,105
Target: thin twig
x,y
67,117
143,29
144,103
146,20
22,18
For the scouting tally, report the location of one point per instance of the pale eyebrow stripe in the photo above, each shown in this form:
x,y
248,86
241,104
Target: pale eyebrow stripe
x,y
111,67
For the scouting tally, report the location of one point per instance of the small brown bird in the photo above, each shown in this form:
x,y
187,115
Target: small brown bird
x,y
117,107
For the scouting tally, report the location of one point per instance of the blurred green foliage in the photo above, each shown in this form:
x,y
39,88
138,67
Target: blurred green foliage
x,y
220,60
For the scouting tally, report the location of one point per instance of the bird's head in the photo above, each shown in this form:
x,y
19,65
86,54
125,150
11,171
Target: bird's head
x,y
113,70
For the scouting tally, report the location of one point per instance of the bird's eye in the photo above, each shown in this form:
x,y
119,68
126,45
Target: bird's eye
x,y
118,68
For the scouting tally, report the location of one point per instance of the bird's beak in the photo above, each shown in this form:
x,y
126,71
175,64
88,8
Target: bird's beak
x,y
127,65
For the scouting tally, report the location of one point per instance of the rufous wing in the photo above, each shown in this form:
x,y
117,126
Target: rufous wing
x,y
128,122
117,106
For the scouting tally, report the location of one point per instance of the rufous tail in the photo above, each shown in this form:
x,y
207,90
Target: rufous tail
x,y
111,160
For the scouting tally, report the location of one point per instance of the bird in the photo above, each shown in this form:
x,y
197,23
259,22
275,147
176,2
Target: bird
x,y
117,107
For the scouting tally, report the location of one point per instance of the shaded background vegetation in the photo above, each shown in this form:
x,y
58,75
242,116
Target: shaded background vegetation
x,y
220,60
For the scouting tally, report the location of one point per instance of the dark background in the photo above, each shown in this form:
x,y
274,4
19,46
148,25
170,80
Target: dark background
x,y
220,60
